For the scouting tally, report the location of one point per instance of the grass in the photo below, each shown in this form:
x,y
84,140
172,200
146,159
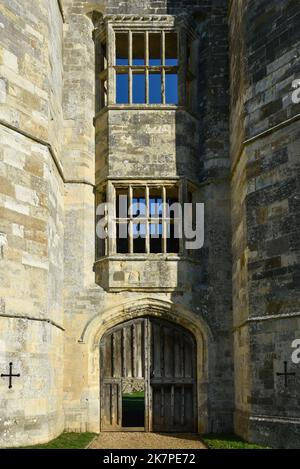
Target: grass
x,y
134,394
66,441
81,440
133,409
222,441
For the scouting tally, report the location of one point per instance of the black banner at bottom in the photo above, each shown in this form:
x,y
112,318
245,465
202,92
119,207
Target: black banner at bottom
x,y
141,458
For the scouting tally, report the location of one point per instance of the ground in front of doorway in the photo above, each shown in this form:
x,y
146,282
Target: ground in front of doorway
x,y
142,440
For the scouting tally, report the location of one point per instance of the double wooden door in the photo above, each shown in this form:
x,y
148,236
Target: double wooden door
x,y
148,377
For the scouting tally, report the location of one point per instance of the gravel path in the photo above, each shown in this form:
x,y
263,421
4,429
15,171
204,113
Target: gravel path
x,y
141,440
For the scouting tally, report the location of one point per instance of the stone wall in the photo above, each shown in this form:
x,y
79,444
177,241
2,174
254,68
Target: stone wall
x,y
213,294
31,221
149,143
172,7
79,147
265,217
31,69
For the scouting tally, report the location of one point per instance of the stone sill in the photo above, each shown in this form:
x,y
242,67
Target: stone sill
x,y
145,289
144,107
144,272
147,257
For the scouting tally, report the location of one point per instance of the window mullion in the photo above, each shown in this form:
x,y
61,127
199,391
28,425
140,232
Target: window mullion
x,y
111,60
147,66
112,224
182,199
130,67
130,221
148,221
163,85
182,69
164,225
163,72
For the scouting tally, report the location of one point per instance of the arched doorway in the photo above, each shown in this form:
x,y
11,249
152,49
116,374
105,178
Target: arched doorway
x,y
148,377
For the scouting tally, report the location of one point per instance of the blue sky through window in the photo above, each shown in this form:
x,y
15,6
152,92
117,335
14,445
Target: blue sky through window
x,y
155,206
154,88
139,229
138,84
155,230
122,88
171,62
138,62
154,62
138,88
121,61
138,207
171,88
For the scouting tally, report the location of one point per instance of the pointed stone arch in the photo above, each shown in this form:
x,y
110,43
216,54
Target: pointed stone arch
x,y
151,307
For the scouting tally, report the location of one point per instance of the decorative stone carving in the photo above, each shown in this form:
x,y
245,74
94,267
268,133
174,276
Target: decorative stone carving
x,y
132,385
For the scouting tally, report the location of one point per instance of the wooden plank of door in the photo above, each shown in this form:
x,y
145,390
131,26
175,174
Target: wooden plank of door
x,y
177,406
128,351
114,405
188,357
155,408
110,417
182,406
117,354
156,358
168,352
172,406
162,350
105,406
134,349
162,406
139,350
117,405
106,358
177,355
168,406
189,407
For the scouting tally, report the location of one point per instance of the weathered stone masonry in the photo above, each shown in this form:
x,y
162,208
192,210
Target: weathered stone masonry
x,y
239,298
32,219
265,217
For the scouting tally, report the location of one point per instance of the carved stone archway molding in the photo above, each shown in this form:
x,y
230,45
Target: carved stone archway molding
x,y
153,307
177,313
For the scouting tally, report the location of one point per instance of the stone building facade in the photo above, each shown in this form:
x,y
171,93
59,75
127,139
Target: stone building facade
x,y
67,143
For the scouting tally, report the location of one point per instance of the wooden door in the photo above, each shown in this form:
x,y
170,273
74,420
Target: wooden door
x,y
124,365
172,378
155,359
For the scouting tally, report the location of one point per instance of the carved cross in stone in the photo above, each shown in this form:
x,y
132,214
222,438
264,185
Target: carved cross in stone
x,y
286,374
10,375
